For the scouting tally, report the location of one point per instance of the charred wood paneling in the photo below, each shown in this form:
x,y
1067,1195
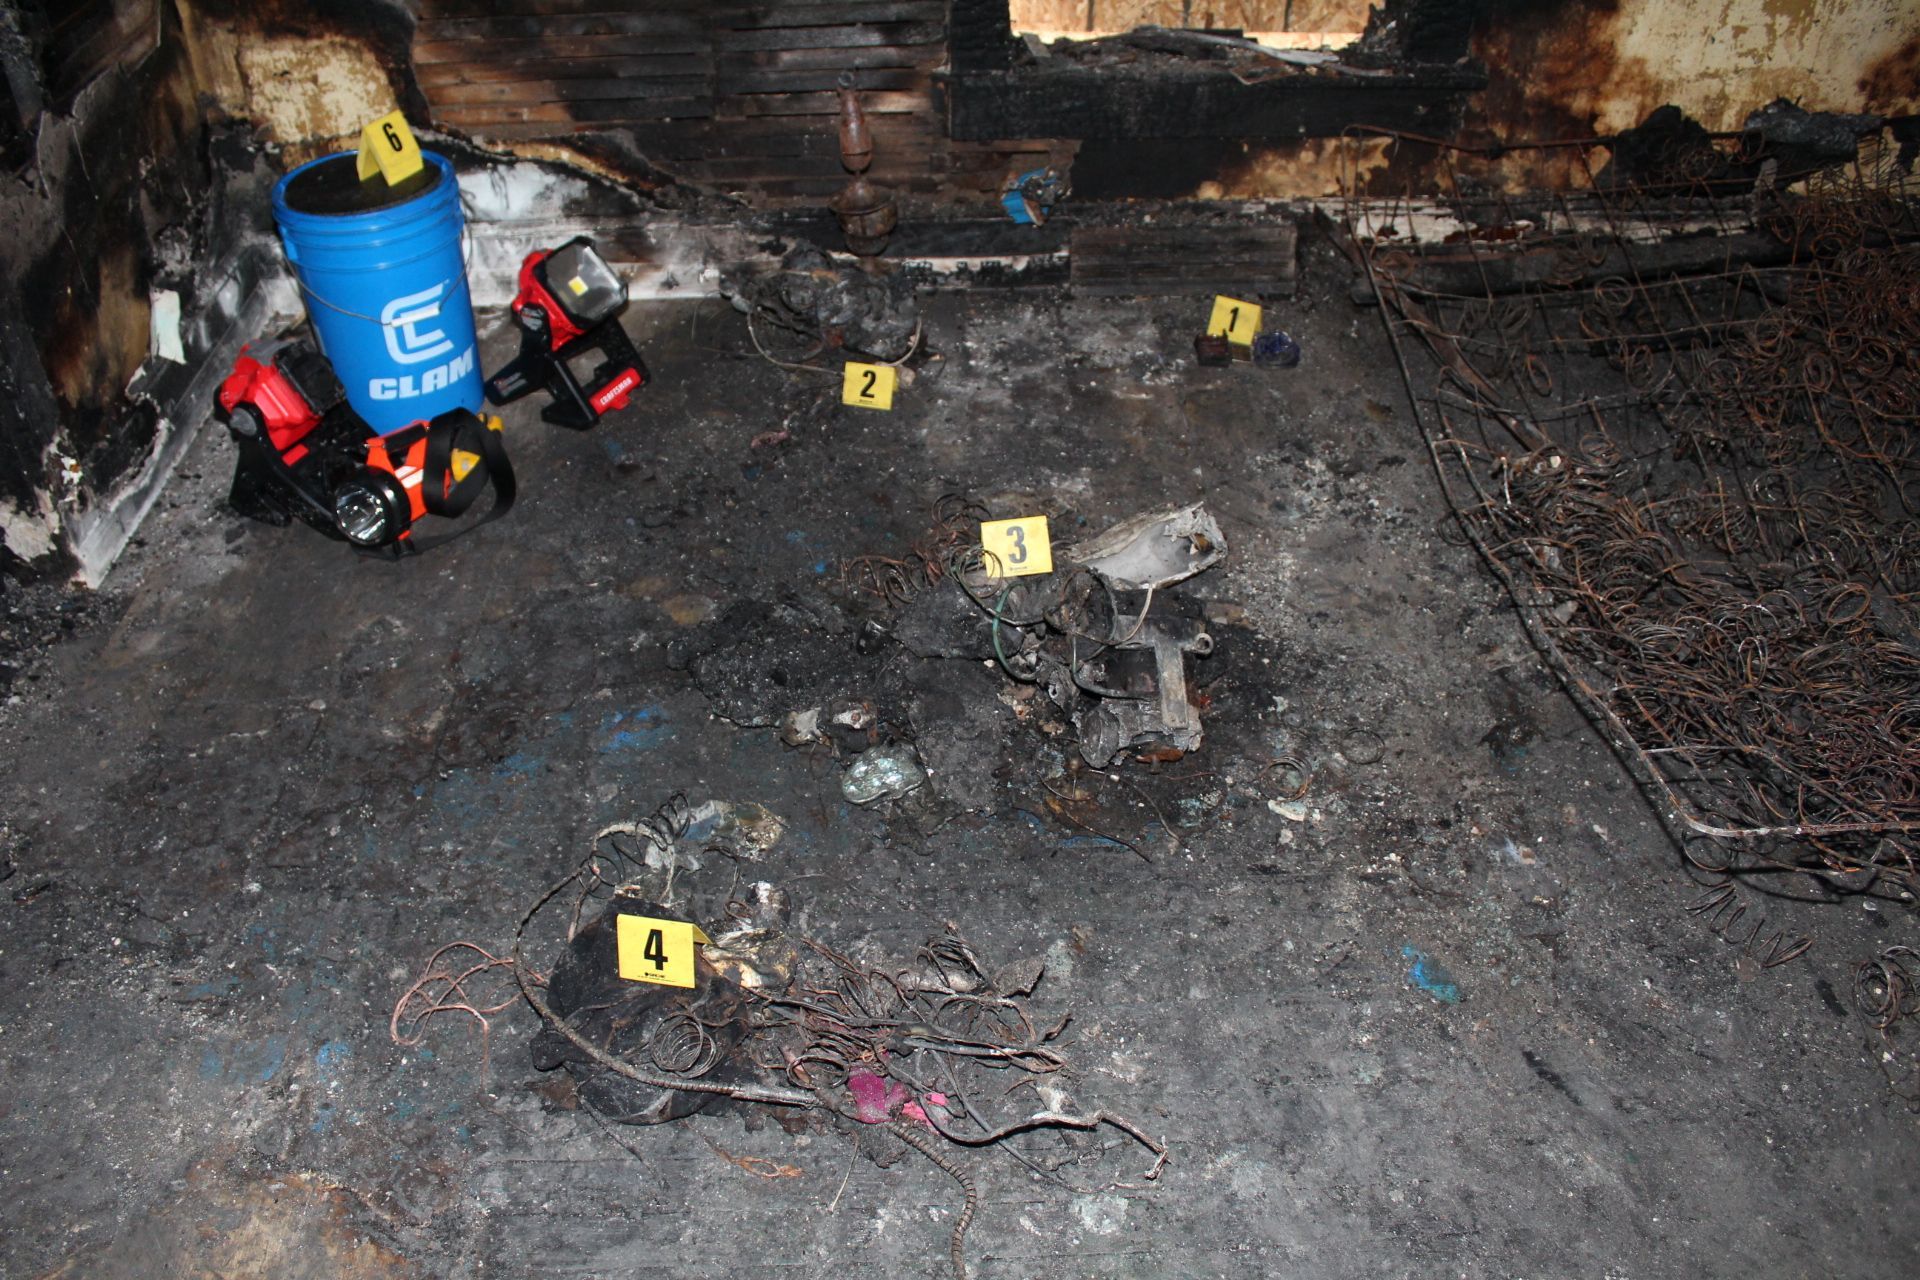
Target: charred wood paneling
x,y
1190,259
979,35
736,95
85,37
1198,102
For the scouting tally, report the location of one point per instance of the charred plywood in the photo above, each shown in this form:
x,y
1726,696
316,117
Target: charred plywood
x,y
85,37
737,96
1199,102
1189,259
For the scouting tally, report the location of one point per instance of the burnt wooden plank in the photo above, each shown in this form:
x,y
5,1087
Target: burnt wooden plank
x,y
833,37
434,75
826,104
1196,102
824,81
521,131
85,37
510,52
1156,260
631,88
444,9
822,189
787,16
547,115
522,26
591,114
874,57
980,36
740,12
733,173
783,136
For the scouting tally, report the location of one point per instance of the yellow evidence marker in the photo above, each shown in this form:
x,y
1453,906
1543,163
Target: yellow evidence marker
x,y
1016,548
650,950
1234,320
387,148
869,386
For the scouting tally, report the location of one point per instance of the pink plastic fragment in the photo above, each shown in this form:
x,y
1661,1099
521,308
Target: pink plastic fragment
x,y
913,1110
874,1099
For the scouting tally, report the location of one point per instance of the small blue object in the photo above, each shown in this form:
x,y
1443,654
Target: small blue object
x,y
1030,199
1275,350
1430,976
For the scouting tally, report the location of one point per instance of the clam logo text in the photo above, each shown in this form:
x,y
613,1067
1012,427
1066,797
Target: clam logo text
x,y
400,322
408,385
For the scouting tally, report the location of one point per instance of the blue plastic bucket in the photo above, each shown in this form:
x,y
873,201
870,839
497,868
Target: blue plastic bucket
x,y
385,285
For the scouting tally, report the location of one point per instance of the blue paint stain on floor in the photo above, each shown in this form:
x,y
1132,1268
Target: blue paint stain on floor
x,y
271,1060
1430,976
255,1062
331,1055
641,730
521,764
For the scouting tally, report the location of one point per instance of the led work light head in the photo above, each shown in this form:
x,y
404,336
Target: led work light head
x,y
371,510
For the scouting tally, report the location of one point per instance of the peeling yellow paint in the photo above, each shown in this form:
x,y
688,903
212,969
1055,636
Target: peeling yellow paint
x,y
1317,167
307,89
1813,53
297,88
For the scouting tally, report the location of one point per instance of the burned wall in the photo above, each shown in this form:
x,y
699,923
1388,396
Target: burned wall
x,y
101,189
111,193
112,103
1589,68
738,98
1558,69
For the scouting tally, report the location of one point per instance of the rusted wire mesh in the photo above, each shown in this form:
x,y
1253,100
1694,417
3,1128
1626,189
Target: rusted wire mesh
x,y
1681,428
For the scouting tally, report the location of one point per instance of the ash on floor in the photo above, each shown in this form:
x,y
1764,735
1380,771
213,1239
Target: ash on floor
x,y
1398,963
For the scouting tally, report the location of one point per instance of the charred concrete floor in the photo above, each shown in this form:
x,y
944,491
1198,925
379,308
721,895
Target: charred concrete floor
x,y
263,781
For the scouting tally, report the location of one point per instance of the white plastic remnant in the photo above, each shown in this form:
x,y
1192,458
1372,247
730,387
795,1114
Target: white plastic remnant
x,y
28,534
163,338
1155,549
71,476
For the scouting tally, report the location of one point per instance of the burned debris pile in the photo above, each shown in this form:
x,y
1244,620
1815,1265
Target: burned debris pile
x,y
665,999
928,662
